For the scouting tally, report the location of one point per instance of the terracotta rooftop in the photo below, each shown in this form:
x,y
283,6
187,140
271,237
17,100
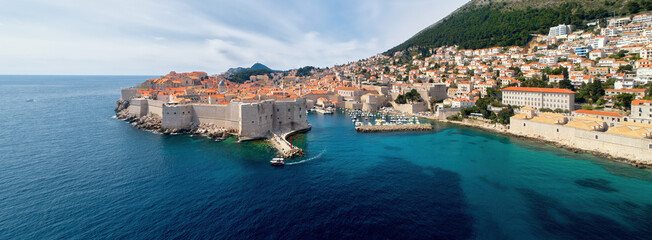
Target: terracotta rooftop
x,y
532,89
592,112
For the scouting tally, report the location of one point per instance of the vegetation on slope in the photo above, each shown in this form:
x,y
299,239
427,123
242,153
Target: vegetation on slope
x,y
482,24
243,76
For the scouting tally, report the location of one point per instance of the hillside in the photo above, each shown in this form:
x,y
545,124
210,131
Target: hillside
x,y
259,66
241,75
489,23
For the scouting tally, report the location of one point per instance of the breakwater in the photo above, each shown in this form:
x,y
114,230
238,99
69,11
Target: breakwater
x,y
395,128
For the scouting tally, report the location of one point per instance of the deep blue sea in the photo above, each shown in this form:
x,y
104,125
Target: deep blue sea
x,y
68,170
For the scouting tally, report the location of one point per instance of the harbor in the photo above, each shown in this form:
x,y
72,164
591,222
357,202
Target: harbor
x,y
395,128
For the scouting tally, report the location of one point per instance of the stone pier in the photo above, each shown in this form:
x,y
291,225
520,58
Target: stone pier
x,y
284,147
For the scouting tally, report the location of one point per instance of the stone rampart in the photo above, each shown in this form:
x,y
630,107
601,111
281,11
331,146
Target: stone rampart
x,y
138,107
256,119
226,116
155,107
129,93
289,115
177,117
636,150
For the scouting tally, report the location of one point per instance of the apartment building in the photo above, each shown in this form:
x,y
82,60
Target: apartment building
x,y
553,98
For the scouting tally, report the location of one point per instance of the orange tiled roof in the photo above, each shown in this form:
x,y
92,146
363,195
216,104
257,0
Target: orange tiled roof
x,y
640,102
593,112
532,89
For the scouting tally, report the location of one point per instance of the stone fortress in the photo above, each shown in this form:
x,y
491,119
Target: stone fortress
x,y
254,119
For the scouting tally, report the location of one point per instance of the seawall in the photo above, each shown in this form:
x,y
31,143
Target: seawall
x,y
284,147
633,151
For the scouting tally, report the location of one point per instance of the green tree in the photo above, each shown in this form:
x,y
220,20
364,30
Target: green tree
x,y
504,115
609,84
400,99
624,100
624,68
567,84
633,7
595,90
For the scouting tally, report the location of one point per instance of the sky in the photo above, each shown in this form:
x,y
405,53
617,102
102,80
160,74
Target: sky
x,y
153,37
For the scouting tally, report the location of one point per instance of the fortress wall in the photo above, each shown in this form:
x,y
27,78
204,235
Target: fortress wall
x,y
637,149
256,119
138,107
155,107
410,108
353,105
290,115
367,107
128,93
177,117
226,116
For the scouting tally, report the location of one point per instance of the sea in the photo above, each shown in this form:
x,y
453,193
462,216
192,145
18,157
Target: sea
x,y
70,170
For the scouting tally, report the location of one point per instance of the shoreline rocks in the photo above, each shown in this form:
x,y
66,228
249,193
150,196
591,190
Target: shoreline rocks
x,y
150,122
394,128
568,146
121,105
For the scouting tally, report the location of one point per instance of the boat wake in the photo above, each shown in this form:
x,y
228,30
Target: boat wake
x,y
308,159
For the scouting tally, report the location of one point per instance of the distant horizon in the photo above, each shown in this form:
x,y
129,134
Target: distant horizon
x,y
127,38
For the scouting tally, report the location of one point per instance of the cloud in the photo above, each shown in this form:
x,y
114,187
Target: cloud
x,y
154,37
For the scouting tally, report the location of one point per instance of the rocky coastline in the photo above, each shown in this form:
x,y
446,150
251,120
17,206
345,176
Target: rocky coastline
x,y
504,130
152,122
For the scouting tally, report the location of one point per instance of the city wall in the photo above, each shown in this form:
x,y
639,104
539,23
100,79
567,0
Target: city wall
x,y
177,117
410,108
128,93
290,115
227,116
155,106
252,120
637,150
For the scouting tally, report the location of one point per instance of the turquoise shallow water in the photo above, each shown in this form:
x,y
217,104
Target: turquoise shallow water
x,y
68,170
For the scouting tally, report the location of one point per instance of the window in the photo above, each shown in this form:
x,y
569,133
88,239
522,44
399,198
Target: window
x,y
596,136
557,129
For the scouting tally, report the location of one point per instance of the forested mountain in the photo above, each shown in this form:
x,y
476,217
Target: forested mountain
x,y
489,23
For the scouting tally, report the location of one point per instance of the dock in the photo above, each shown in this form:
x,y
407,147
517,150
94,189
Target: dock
x,y
284,147
394,128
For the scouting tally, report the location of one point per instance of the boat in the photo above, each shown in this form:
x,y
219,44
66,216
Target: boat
x,y
324,111
277,162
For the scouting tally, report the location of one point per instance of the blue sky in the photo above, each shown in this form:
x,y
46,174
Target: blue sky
x,y
157,36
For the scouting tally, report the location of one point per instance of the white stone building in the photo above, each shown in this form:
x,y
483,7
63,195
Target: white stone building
x,y
553,98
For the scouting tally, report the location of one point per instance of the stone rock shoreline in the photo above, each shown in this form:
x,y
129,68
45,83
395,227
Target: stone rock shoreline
x,y
500,129
152,122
